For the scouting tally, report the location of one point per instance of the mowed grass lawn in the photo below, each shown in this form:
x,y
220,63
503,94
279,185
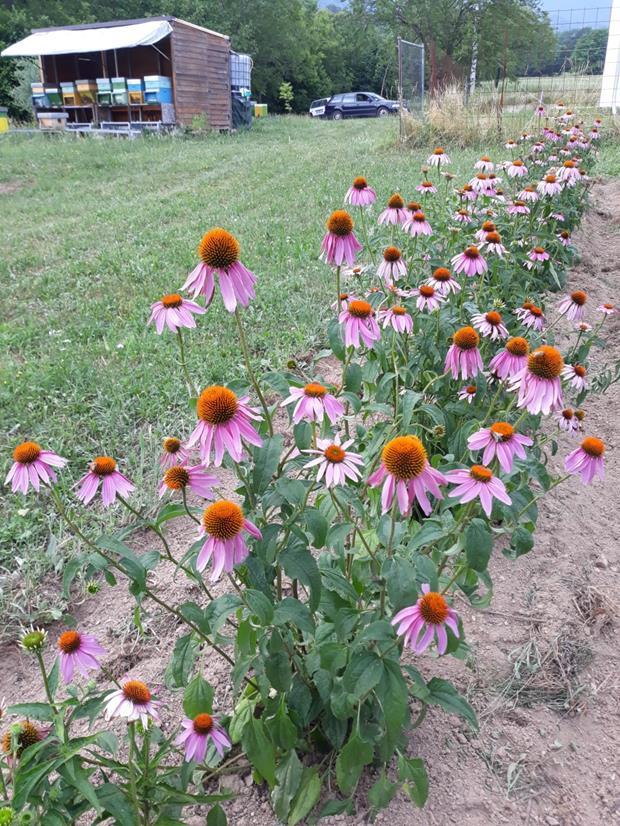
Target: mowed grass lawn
x,y
94,231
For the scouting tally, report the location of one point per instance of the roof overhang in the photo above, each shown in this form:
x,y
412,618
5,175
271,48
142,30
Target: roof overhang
x,y
97,38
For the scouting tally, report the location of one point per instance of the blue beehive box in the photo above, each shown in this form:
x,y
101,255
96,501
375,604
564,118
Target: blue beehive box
x,y
158,89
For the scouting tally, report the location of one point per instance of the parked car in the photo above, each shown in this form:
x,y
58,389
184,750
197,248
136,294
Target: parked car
x,y
354,105
317,107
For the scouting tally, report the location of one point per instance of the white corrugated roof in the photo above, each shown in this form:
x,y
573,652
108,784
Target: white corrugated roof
x,y
97,39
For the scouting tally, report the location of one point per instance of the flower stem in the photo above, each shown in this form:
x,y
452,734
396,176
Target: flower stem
x,y
190,384
337,288
48,692
542,493
248,367
187,510
133,791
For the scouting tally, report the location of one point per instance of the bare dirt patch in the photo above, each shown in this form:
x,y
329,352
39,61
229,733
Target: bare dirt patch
x,y
9,187
543,674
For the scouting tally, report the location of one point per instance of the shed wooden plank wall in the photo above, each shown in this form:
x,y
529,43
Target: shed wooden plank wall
x,y
201,76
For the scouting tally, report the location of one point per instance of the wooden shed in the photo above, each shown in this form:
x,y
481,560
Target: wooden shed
x,y
188,64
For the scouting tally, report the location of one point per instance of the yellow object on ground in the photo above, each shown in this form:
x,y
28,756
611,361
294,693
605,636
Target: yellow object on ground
x,y
260,110
4,119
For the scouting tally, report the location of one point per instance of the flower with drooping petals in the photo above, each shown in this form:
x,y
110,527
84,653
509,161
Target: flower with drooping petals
x,y
359,322
528,194
219,255
468,393
607,309
397,318
339,243
198,733
174,453
31,466
103,470
313,402
417,225
392,267
225,422
195,478
533,318
438,158
539,386
335,462
425,621
173,311
443,281
463,355
573,305
395,212
575,375
516,169
490,325
493,243
463,216
360,194
518,207
133,702
569,173
406,473
499,440
487,226
587,460
478,482
429,299
78,651
223,523
427,188
564,238
470,261
512,359
538,254
568,420
485,164
549,186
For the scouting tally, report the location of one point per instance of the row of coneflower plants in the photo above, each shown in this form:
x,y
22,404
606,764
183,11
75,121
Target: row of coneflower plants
x,y
357,536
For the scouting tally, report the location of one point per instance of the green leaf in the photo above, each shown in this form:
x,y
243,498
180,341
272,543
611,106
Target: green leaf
x,y
259,750
131,564
296,612
217,611
334,581
266,459
356,754
282,728
302,434
393,696
75,775
337,534
407,405
334,335
36,711
198,697
116,803
381,792
259,605
307,796
431,531
298,563
402,586
478,542
278,670
292,490
336,807
183,659
353,378
521,542
288,775
317,524
412,772
363,672
171,510
72,567
241,718
217,816
444,694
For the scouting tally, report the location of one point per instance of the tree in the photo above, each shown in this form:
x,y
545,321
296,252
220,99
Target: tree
x,y
588,54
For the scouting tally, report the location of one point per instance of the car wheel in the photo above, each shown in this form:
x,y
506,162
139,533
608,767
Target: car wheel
x,y
337,115
382,112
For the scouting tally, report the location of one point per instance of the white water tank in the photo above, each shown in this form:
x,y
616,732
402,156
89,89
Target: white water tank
x,y
240,70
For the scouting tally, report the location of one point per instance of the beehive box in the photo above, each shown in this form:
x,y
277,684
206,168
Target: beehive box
x,y
52,121
87,90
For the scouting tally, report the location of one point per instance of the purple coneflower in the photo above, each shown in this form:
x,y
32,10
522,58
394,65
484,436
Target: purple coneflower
x,y
173,311
427,188
568,421
417,225
538,254
549,186
78,651
223,523
198,733
392,267
133,702
485,164
339,245
335,462
575,375
462,216
443,281
395,212
499,440
425,621
225,422
195,478
219,254
313,402
359,323
493,243
31,466
539,386
564,237
173,453
463,355
510,361
103,470
516,169
468,393
405,472
573,306
587,460
429,299
360,194
607,309
518,207
438,158
569,173
528,194
533,318
490,325
397,318
470,261
478,482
